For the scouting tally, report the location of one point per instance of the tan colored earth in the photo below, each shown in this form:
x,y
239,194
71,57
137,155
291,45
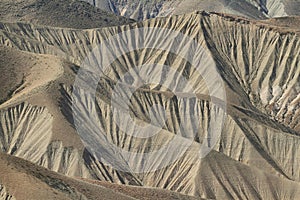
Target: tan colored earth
x,y
49,127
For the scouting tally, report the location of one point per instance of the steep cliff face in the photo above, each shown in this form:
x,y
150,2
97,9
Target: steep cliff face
x,y
259,141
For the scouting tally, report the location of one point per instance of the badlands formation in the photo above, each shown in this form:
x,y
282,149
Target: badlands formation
x,y
257,9
60,141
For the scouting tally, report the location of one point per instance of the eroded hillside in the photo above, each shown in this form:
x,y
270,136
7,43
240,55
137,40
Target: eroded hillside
x,y
255,9
58,13
43,184
259,141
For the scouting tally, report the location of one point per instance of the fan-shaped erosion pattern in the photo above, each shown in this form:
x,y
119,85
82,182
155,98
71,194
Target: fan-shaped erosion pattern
x,y
259,141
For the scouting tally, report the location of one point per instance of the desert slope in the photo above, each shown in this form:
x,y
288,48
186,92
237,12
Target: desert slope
x,y
77,46
141,10
254,9
67,14
256,154
39,183
24,180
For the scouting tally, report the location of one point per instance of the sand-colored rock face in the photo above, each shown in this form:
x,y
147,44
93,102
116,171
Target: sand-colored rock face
x,y
255,156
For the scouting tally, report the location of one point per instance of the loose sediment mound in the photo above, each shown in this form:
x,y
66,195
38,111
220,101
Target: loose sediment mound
x,y
143,193
60,13
256,154
25,73
21,179
25,180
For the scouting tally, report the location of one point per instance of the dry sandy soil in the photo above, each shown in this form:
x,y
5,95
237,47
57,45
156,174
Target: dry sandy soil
x,y
43,154
255,9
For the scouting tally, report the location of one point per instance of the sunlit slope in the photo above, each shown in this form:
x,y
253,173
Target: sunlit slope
x,y
21,179
264,64
42,133
256,70
258,146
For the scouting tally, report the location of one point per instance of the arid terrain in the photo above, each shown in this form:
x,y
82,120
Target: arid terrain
x,y
68,68
256,9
